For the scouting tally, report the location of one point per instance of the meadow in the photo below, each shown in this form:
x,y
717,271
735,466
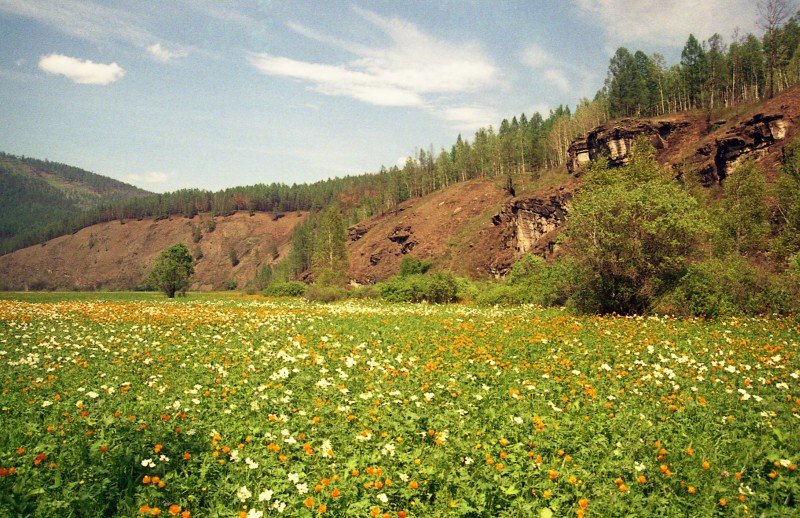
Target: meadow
x,y
211,406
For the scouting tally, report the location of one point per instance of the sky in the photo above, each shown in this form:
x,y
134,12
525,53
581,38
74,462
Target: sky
x,y
213,94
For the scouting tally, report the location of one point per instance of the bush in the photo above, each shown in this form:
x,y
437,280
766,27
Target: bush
x,y
412,266
438,288
325,294
730,286
286,289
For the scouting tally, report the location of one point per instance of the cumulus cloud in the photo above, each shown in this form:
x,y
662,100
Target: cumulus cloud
x,y
469,117
149,177
557,78
668,22
165,55
411,70
81,71
552,70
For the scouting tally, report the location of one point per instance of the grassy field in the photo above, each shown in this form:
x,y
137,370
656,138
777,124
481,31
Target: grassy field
x,y
132,405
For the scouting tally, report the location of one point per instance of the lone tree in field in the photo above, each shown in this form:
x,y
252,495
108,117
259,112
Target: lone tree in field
x,y
172,270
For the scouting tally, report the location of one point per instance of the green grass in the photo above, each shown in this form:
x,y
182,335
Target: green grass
x,y
241,405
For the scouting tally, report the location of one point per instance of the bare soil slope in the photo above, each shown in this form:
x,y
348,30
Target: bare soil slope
x,y
452,228
119,256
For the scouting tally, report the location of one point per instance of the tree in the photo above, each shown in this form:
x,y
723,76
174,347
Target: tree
x,y
773,13
330,253
693,66
172,270
636,229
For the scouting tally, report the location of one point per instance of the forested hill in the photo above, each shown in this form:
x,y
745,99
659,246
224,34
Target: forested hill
x,y
37,197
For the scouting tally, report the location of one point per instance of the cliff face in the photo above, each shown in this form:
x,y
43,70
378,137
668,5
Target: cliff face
x,y
615,140
710,149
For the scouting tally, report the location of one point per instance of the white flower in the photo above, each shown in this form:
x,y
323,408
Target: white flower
x,y
265,496
252,513
383,498
279,506
388,449
429,396
92,394
46,403
148,463
302,488
294,478
251,463
468,461
163,458
243,494
517,420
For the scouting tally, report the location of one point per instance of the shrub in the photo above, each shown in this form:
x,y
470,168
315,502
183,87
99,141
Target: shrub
x,y
437,288
286,289
730,286
325,294
412,266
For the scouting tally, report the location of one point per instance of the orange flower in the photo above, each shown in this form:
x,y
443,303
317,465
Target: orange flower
x,y
692,490
413,484
157,448
104,448
322,508
706,465
309,502
642,479
187,456
174,509
553,474
144,509
146,479
401,514
335,493
583,503
186,514
723,502
155,511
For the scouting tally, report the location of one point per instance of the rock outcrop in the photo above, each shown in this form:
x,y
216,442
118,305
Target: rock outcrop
x,y
750,138
529,225
615,140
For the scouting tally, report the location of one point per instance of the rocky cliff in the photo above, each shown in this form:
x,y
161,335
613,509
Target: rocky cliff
x,y
706,147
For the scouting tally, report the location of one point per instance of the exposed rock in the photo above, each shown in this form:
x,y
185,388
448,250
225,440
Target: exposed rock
x,y
752,137
615,141
402,236
529,225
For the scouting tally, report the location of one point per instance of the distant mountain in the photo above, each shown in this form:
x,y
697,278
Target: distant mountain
x,y
37,197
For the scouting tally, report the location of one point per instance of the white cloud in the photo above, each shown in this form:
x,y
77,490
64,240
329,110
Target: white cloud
x,y
410,71
165,55
535,56
557,78
470,117
81,71
150,177
668,22
81,19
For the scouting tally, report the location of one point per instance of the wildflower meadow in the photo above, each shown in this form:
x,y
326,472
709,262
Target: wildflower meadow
x,y
210,406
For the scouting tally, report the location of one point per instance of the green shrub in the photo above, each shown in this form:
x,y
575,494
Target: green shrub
x,y
730,286
437,288
286,289
412,266
325,294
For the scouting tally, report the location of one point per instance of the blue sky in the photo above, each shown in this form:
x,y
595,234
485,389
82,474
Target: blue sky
x,y
219,93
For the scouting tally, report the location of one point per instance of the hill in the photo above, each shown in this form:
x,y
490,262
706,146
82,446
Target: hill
x,y
37,196
114,256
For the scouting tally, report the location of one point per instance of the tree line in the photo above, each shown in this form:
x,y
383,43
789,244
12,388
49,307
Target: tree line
x,y
711,74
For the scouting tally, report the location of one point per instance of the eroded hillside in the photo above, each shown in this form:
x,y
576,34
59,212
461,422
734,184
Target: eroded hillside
x,y
119,256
